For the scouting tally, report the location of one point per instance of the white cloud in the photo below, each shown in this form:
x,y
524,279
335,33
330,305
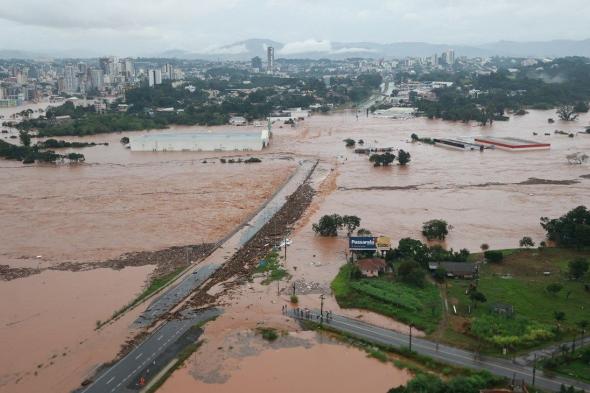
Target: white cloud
x,y
227,50
352,50
307,46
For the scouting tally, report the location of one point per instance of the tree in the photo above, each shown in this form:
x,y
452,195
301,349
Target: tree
x,y
559,317
435,229
411,273
403,157
328,225
554,288
477,297
567,112
351,223
349,142
578,267
75,157
527,242
363,232
569,230
384,159
125,140
440,274
414,137
484,247
25,138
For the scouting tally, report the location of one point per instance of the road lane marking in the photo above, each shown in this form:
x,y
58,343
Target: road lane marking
x,y
138,356
160,337
110,380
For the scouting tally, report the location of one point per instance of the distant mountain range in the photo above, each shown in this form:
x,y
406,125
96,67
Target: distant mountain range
x,y
312,49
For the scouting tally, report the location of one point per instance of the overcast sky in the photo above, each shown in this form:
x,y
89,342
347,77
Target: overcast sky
x,y
132,27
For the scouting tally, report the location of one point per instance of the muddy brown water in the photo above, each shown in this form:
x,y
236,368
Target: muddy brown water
x,y
121,201
317,367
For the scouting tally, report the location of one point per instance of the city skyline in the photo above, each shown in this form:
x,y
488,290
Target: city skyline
x,y
145,28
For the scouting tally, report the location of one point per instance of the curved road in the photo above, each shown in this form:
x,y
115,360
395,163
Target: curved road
x,y
443,353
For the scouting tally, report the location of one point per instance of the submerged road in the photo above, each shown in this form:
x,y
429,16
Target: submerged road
x,y
443,353
197,275
124,375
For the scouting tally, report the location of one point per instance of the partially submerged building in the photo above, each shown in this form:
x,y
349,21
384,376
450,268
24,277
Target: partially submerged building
x,y
512,144
202,141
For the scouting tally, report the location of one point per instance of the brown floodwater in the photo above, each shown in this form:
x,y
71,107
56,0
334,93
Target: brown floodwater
x,y
123,201
297,367
47,326
447,184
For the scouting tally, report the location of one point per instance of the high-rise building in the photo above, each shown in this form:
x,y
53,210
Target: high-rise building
x,y
450,56
127,68
167,72
97,79
270,59
257,63
434,60
154,77
70,79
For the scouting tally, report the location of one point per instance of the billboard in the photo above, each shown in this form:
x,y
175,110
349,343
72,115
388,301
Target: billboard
x,y
383,243
362,243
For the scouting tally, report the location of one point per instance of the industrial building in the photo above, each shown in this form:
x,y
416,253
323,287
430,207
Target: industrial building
x,y
512,144
458,143
202,141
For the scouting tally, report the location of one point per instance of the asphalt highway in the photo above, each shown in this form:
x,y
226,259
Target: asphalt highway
x,y
126,372
443,353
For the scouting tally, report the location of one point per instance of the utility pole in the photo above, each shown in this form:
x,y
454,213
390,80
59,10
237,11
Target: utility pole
x,y
534,369
285,248
322,308
293,288
278,287
411,326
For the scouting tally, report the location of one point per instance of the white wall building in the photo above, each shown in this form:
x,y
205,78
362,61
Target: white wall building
x,y
202,141
154,77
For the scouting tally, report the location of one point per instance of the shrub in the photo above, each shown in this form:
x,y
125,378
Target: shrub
x,y
493,256
294,299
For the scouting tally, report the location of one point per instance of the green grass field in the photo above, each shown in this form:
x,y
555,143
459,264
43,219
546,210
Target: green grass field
x,y
520,280
405,303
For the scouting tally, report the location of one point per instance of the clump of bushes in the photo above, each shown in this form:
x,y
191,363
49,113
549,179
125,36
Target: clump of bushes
x,y
493,256
269,334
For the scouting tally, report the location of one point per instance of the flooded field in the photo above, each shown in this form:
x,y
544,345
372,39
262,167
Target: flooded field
x,y
295,363
121,201
478,193
47,326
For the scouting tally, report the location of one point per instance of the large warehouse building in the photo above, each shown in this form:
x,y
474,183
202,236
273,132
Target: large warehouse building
x,y
201,141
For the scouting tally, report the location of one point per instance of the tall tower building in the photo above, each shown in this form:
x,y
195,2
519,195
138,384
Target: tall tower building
x,y
450,55
70,79
154,77
270,59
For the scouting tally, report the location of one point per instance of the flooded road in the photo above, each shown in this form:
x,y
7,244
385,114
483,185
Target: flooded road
x,y
122,201
295,363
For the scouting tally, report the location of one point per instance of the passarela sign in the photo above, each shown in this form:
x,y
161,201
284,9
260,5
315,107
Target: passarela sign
x,y
362,243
